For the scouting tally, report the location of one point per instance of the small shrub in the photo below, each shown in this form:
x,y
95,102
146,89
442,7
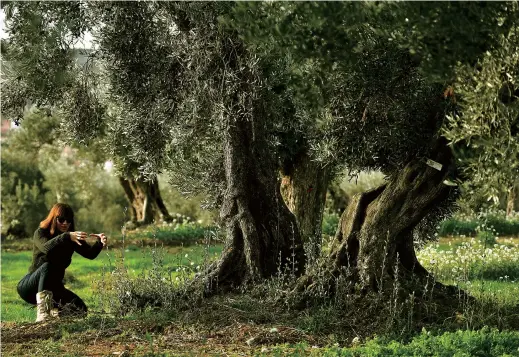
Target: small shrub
x,y
330,223
470,227
454,227
174,233
23,206
486,238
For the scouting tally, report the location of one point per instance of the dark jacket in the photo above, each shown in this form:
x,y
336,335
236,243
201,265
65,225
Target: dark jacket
x,y
58,249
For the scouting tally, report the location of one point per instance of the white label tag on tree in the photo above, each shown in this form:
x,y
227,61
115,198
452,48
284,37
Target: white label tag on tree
x,y
434,164
449,183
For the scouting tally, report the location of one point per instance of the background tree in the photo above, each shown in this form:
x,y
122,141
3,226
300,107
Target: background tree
x,y
512,200
49,70
22,180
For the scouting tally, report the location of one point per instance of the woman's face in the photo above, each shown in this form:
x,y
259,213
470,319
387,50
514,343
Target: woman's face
x,y
63,223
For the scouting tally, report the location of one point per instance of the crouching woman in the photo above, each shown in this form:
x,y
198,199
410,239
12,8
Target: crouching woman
x,y
54,243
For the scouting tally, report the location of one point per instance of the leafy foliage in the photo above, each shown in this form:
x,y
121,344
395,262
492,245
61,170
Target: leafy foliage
x,y
22,204
496,224
23,191
356,54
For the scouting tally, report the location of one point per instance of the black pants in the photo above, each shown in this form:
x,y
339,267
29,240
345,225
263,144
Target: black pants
x,y
50,277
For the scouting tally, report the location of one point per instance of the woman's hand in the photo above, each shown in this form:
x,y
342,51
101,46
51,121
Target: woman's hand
x,y
101,237
77,237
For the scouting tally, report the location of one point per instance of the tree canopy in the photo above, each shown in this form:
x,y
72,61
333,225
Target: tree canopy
x,y
352,80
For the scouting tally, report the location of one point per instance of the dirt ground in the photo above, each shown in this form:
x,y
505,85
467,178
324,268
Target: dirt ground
x,y
136,338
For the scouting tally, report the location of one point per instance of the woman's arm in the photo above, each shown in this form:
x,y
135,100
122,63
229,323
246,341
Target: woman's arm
x,y
49,246
89,251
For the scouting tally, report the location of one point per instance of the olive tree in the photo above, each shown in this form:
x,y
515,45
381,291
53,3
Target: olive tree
x,y
223,95
427,93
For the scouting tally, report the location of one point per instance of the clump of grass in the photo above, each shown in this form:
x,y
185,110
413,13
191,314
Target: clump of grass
x,y
486,238
157,285
168,289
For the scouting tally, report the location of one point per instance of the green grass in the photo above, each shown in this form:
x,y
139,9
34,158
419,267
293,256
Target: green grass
x,y
489,274
175,233
84,272
485,342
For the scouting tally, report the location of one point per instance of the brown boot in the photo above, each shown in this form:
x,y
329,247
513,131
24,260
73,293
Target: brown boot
x,y
44,305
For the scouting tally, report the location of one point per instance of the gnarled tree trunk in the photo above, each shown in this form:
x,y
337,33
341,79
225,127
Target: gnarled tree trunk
x,y
262,234
146,204
304,189
374,238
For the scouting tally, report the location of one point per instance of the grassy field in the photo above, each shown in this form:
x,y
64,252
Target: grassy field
x,y
82,274
236,326
486,272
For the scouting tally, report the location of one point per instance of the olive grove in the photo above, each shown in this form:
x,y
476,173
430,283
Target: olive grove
x,y
260,105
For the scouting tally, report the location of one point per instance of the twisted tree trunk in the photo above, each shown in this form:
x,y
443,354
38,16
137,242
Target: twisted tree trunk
x,y
262,234
374,239
304,190
145,202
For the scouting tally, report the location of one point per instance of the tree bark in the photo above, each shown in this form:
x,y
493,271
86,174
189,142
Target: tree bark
x,y
145,202
391,217
304,189
374,239
512,204
262,234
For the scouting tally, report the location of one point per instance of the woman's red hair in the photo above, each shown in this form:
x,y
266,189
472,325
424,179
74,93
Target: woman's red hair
x,y
58,210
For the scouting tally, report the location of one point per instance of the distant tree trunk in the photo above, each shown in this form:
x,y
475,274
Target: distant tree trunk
x,y
304,189
337,198
374,238
512,204
146,204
